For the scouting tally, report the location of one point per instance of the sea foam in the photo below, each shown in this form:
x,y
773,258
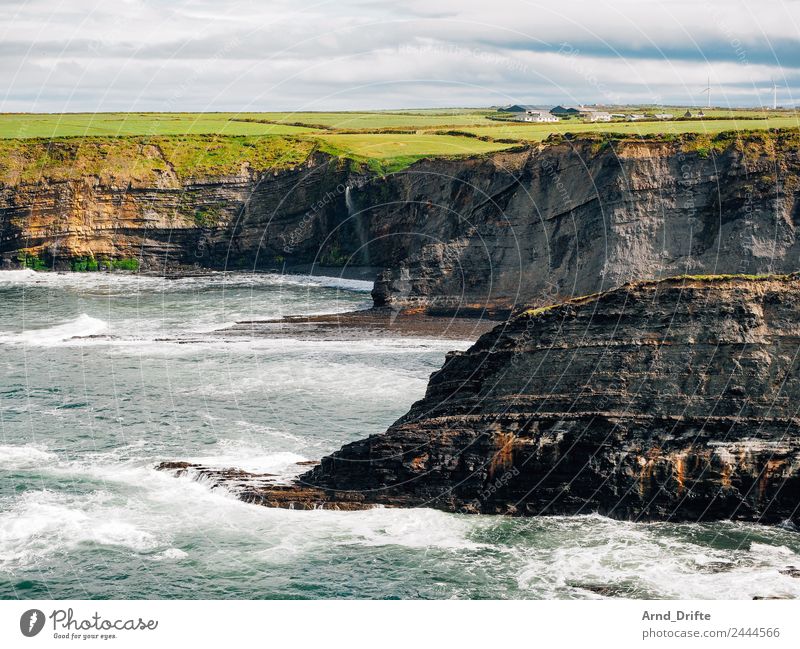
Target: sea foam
x,y
24,456
82,326
16,276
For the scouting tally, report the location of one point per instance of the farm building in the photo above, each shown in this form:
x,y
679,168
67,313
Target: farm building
x,y
536,116
562,111
593,114
517,108
664,116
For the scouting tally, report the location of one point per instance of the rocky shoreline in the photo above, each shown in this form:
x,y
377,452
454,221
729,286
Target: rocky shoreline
x,y
670,400
365,324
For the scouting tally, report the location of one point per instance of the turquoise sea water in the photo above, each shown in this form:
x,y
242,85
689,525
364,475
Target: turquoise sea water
x,y
105,375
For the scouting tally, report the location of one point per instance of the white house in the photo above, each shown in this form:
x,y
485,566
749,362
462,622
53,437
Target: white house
x,y
593,114
634,117
664,116
536,116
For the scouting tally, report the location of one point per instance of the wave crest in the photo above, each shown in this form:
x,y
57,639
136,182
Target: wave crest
x,y
82,326
16,276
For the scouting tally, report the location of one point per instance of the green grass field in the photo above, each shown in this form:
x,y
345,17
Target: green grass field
x,y
539,132
388,140
398,150
377,120
16,126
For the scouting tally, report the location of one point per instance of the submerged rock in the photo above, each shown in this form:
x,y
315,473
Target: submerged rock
x,y
670,400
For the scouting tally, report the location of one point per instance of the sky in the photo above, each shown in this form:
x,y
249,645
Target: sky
x,y
288,55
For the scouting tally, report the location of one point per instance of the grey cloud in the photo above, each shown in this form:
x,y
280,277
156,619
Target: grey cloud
x,y
360,53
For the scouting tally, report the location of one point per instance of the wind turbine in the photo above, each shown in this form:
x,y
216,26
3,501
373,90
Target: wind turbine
x,y
774,94
707,89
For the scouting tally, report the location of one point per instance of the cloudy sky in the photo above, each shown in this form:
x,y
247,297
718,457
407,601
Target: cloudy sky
x,y
89,55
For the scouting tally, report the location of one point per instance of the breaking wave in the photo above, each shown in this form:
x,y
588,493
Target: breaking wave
x,y
80,327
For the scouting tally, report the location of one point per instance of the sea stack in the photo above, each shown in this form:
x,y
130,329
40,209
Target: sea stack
x,y
659,400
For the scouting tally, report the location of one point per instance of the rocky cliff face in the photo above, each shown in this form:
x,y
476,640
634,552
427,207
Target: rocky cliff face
x,y
246,220
579,217
672,400
527,227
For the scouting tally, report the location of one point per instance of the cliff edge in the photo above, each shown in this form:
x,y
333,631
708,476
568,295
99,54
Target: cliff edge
x,y
659,400
463,235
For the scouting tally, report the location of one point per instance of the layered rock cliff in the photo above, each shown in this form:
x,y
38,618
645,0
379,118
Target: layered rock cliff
x,y
576,217
246,218
492,232
671,400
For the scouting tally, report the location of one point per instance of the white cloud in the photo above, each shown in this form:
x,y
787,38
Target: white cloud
x,y
282,55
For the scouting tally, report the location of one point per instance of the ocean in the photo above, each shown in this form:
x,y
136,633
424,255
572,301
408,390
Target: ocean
x,y
105,375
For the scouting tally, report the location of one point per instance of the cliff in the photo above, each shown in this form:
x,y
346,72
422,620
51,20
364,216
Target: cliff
x,y
670,400
172,203
468,235
580,216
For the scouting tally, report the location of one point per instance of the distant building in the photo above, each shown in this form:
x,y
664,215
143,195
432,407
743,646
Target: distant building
x,y
688,113
536,116
634,117
562,111
664,116
593,114
517,108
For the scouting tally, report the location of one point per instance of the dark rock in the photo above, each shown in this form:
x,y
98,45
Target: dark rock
x,y
175,466
573,218
615,403
363,324
265,488
604,590
715,567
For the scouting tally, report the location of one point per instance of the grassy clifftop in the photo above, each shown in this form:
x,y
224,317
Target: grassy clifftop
x,y
145,158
